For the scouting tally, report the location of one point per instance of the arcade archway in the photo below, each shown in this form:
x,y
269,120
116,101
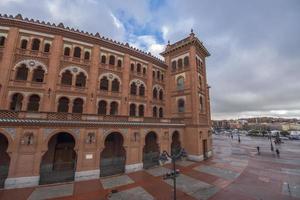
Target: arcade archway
x,y
151,151
4,159
59,162
113,156
175,145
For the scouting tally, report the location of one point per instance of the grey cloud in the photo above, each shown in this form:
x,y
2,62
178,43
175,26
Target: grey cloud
x,y
255,45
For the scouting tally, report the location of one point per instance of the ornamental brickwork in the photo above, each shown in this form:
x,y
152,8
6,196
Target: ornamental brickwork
x,y
77,106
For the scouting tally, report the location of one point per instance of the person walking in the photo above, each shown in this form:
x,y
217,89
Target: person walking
x,y
258,150
277,153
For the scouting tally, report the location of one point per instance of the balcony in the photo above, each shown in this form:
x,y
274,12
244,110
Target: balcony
x,y
137,98
29,84
34,53
71,88
109,93
75,60
111,67
13,117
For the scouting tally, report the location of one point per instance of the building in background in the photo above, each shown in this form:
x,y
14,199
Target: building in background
x,y
76,106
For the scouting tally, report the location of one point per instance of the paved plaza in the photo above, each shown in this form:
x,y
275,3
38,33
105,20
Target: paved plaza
x,y
235,172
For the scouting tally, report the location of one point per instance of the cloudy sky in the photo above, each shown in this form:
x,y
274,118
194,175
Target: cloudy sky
x,y
254,68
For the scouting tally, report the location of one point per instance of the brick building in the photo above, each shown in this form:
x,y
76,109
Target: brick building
x,y
76,106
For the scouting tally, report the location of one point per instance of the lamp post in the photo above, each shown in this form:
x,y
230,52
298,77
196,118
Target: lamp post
x,y
164,157
270,137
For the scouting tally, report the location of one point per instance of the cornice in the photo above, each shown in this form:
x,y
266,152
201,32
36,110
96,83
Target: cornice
x,y
60,29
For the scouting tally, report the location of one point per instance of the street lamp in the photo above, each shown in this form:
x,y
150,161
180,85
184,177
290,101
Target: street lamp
x,y
270,137
164,157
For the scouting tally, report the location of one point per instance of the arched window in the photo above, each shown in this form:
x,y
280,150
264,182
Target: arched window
x,y
153,74
201,104
86,55
102,107
132,67
161,113
115,85
141,110
103,59
158,75
186,61
33,103
77,52
2,41
16,102
180,105
104,83
24,44
142,90
174,65
113,108
180,83
38,75
67,51
66,78
200,81
154,111
35,44
46,47
179,63
161,94
144,71
138,68
22,73
112,60
77,105
119,63
63,104
154,93
132,110
80,80
133,88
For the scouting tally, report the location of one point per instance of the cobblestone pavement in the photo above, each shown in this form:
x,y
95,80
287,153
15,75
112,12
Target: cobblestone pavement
x,y
235,172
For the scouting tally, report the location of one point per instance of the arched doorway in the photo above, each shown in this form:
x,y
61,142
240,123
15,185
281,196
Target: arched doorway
x,y
151,151
59,162
113,156
175,145
4,159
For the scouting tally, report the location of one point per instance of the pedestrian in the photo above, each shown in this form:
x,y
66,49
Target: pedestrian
x,y
231,136
257,150
277,152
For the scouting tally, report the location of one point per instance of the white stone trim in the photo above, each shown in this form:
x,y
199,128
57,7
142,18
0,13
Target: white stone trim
x,y
87,175
77,42
197,158
36,33
178,75
21,182
181,56
111,51
4,28
133,167
3,34
139,60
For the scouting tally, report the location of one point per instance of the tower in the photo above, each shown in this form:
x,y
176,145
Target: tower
x,y
188,93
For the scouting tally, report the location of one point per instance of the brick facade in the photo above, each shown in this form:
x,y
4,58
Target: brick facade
x,y
58,81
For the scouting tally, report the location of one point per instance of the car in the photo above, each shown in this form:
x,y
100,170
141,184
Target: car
x,y
284,138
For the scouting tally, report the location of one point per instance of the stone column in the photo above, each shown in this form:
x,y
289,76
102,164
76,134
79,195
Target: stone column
x,y
93,81
7,64
52,76
148,111
125,85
